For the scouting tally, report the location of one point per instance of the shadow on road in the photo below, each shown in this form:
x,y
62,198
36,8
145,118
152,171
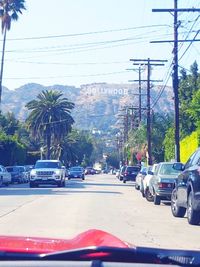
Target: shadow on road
x,y
71,187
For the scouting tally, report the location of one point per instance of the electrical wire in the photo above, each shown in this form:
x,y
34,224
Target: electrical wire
x,y
168,75
87,33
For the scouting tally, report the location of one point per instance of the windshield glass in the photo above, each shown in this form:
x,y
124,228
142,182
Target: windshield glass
x,y
92,95
76,169
46,164
168,169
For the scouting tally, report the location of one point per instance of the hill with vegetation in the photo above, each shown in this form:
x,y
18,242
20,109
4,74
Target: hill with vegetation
x,y
96,105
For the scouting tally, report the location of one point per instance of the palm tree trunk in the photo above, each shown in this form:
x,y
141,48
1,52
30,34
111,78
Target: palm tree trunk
x,y
2,64
48,136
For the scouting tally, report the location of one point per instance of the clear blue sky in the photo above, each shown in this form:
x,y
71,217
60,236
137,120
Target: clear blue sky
x,y
117,31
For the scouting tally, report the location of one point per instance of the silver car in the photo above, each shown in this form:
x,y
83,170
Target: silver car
x,y
161,184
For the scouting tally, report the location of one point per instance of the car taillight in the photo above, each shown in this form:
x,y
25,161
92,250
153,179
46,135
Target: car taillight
x,y
164,185
125,173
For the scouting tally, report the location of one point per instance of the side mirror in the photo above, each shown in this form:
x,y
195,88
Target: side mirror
x,y
178,166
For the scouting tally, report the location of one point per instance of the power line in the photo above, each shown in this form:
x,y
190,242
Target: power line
x,y
66,76
87,33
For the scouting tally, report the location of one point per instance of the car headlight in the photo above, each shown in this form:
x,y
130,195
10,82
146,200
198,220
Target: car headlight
x,y
33,172
57,172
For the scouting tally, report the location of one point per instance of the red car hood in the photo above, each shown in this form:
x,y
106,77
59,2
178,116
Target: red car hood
x,y
48,245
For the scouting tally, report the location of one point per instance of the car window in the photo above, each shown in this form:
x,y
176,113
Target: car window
x,y
190,160
135,169
76,169
168,169
196,158
47,164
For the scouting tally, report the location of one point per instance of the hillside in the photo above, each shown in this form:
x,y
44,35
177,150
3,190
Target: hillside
x,y
96,105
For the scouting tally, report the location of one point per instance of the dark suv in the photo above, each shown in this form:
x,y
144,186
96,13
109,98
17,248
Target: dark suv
x,y
130,173
186,192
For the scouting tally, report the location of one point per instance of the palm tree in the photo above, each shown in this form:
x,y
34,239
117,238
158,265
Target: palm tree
x,y
9,10
50,118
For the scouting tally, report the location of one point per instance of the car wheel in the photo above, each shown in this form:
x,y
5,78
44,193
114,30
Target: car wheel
x,y
1,181
32,185
124,181
137,187
157,200
177,211
148,195
193,216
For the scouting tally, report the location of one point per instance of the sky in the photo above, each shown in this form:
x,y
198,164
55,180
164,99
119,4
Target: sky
x,y
86,41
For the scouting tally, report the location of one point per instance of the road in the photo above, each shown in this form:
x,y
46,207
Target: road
x,y
99,202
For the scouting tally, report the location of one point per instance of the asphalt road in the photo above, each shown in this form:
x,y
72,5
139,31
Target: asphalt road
x,y
99,202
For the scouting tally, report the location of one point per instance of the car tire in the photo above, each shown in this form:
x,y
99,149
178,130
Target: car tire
x,y
193,216
137,187
32,185
177,211
148,195
59,184
157,200
1,181
124,181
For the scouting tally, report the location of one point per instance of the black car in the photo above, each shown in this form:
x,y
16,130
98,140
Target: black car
x,y
130,173
76,172
186,193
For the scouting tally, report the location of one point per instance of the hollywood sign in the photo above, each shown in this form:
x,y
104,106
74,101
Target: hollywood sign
x,y
107,91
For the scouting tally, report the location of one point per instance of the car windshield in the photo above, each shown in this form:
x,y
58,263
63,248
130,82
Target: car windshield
x,y
46,164
93,93
76,169
168,169
134,169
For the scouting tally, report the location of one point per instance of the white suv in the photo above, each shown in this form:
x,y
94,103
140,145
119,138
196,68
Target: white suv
x,y
47,172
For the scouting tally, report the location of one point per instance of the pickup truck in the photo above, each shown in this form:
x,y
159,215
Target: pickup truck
x,y
47,172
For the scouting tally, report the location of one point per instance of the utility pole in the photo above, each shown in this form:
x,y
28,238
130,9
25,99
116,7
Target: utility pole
x,y
139,90
149,63
176,84
175,81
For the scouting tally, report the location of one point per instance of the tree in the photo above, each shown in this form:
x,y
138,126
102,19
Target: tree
x,y
77,148
188,85
169,144
50,118
12,151
9,124
9,10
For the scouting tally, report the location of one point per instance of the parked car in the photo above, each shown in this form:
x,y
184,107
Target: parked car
x,y
76,172
121,173
148,172
161,184
5,176
90,170
28,170
139,176
130,173
146,182
117,174
47,172
17,173
186,193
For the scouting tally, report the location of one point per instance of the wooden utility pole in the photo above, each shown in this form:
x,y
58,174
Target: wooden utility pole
x,y
175,81
139,70
149,63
